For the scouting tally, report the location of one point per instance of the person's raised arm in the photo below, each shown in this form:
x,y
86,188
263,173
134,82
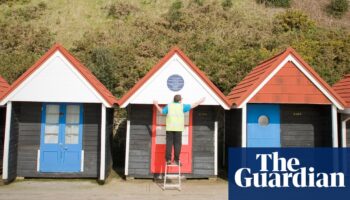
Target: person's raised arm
x,y
197,103
158,107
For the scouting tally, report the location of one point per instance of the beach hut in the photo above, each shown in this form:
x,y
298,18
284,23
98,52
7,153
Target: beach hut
x,y
3,88
343,89
283,102
58,121
145,137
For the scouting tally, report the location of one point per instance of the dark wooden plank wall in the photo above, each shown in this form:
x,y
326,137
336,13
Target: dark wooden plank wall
x,y
233,131
220,117
233,121
12,162
141,134
91,140
140,117
29,141
306,126
301,126
28,138
2,133
203,142
109,136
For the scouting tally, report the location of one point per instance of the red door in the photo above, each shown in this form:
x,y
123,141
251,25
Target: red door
x,y
159,142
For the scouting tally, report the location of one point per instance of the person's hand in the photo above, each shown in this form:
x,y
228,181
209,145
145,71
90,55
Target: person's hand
x,y
155,102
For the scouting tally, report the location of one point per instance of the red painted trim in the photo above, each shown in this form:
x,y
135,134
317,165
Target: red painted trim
x,y
4,86
153,146
161,63
84,71
190,128
236,101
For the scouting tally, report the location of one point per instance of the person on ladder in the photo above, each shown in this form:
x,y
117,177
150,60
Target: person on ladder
x,y
175,125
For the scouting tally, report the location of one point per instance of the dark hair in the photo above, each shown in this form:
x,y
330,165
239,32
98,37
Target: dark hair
x,y
177,98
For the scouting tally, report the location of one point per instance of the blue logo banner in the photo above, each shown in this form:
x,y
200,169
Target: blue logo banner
x,y
289,173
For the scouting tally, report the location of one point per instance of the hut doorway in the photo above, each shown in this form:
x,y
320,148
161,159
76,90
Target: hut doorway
x,y
61,138
159,144
263,125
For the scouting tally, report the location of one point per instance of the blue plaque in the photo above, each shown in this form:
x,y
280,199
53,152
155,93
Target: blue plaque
x,y
175,83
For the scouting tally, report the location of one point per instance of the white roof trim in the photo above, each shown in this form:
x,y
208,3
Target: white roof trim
x,y
345,111
304,71
46,63
188,69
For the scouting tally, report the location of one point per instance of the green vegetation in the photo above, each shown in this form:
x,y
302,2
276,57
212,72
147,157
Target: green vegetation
x,y
12,2
227,4
120,41
27,13
276,3
338,8
293,20
121,10
20,46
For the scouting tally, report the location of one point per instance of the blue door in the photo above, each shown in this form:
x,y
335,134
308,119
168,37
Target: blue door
x,y
263,128
61,138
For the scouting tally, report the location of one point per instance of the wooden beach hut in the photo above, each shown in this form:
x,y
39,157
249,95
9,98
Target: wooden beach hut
x,y
58,121
145,137
283,102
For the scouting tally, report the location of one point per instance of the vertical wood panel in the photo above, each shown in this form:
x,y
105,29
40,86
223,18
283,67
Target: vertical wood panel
x,y
2,132
109,137
12,160
140,140
233,130
203,141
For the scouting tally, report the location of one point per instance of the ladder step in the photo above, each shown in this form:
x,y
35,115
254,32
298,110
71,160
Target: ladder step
x,y
172,175
173,165
172,185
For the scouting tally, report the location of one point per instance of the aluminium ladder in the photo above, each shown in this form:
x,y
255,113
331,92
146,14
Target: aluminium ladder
x,y
172,176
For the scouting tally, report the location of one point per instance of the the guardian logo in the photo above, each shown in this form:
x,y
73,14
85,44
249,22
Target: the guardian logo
x,y
278,172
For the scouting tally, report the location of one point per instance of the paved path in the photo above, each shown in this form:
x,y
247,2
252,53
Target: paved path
x,y
67,189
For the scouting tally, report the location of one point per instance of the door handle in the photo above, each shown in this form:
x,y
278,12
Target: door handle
x,y
65,148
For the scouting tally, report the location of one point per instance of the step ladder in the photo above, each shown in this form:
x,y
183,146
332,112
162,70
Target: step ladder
x,y
172,176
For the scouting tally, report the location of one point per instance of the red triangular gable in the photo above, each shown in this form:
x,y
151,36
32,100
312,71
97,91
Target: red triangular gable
x,y
290,85
256,79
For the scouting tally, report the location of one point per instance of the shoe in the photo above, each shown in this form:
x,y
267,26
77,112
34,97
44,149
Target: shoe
x,y
178,163
168,162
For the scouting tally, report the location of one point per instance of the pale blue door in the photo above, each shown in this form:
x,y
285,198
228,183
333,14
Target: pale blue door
x,y
61,138
263,128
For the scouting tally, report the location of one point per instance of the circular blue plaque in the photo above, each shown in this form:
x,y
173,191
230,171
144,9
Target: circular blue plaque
x,y
175,83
